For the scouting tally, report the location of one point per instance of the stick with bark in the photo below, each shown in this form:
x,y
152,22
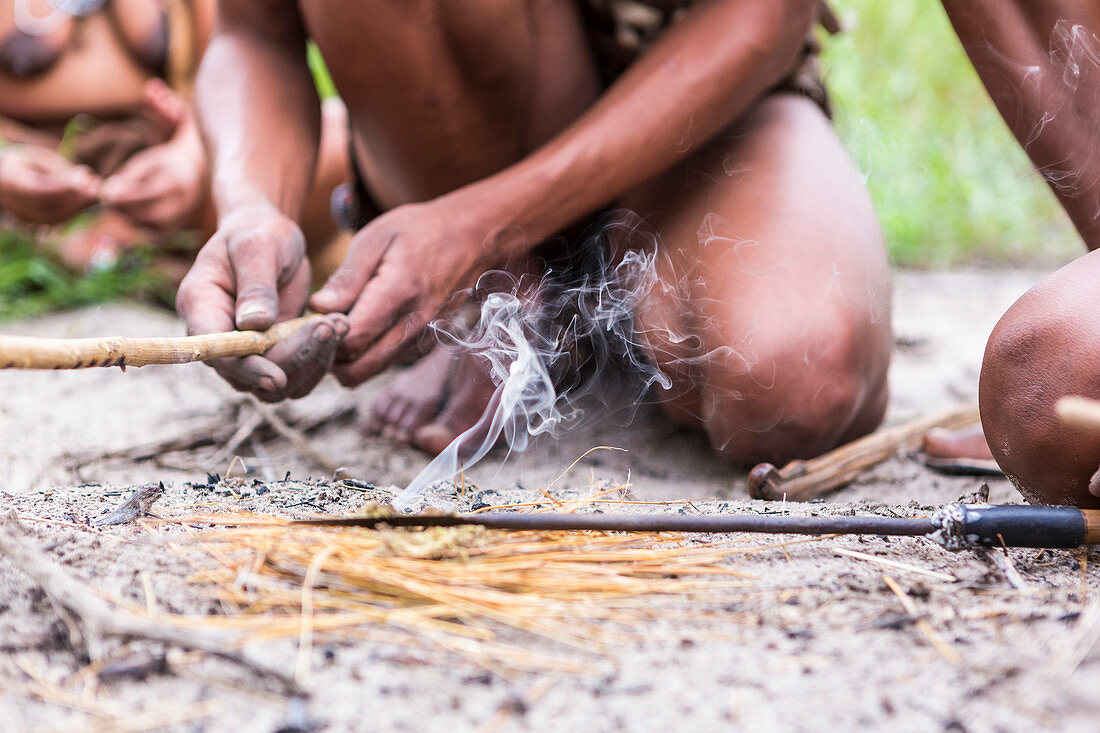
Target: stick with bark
x,y
28,352
803,480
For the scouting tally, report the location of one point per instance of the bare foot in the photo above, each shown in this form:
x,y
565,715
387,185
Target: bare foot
x,y
968,443
434,401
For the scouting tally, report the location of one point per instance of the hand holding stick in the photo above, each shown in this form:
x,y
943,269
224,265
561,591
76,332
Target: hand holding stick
x,y
27,352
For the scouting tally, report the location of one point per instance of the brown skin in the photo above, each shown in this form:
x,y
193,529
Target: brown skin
x,y
481,127
161,188
101,66
1045,346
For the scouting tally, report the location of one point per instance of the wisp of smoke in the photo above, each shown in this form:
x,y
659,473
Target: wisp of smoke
x,y
546,343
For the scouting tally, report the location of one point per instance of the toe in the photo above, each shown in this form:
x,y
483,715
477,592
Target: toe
x,y
435,437
392,416
416,416
953,444
376,420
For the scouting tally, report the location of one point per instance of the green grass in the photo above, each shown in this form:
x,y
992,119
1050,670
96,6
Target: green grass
x,y
949,181
32,283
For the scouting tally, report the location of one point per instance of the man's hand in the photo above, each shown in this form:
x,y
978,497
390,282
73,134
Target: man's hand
x,y
252,273
41,187
162,187
401,271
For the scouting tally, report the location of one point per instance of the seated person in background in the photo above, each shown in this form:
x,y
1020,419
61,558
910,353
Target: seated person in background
x,y
484,129
1040,62
94,110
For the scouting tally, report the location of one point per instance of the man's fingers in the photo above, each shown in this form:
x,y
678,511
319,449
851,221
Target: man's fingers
x,y
344,286
129,187
308,354
253,374
207,308
203,299
383,352
383,303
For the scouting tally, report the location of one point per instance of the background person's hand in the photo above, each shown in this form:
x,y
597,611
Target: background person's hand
x,y
162,187
251,274
400,273
40,187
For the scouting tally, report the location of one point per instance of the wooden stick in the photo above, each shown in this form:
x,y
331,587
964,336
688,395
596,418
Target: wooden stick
x,y
1083,414
28,352
138,505
1079,412
803,480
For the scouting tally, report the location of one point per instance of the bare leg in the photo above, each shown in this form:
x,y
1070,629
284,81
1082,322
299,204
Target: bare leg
x,y
446,392
954,444
1038,62
775,321
327,244
1043,348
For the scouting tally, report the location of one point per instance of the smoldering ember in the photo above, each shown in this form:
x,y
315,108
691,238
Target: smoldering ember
x,y
602,365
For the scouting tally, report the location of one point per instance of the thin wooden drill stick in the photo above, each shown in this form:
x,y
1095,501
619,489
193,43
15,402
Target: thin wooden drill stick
x,y
1079,412
27,352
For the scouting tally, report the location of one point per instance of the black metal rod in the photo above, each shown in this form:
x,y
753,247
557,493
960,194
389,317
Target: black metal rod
x,y
954,526
768,523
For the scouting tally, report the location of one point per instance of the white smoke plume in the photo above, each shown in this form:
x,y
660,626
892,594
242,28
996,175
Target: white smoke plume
x,y
546,343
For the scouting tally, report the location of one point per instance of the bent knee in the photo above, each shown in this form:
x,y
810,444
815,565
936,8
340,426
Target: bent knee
x,y
793,399
1031,361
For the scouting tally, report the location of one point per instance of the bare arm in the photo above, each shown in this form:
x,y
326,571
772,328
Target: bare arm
x,y
258,108
260,118
1040,62
697,79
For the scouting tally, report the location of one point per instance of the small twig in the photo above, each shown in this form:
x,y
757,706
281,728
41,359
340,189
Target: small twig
x,y
91,618
1004,564
1079,412
246,429
895,564
922,624
138,505
1079,643
296,438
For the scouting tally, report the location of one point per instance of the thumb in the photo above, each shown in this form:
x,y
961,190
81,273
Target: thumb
x,y
256,274
166,107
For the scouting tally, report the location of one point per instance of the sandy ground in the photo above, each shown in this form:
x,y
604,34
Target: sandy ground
x,y
816,641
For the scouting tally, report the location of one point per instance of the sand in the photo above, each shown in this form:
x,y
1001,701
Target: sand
x,y
816,641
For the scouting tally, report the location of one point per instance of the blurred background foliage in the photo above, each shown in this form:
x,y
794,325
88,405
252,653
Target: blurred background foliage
x,y
950,183
32,282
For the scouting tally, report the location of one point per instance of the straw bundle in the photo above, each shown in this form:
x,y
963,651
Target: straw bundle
x,y
461,588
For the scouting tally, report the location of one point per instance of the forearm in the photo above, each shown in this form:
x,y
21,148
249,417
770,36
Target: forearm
x,y
1038,61
698,78
259,115
19,133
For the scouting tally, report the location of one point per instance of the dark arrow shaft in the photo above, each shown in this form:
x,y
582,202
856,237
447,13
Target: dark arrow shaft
x,y
767,523
955,526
